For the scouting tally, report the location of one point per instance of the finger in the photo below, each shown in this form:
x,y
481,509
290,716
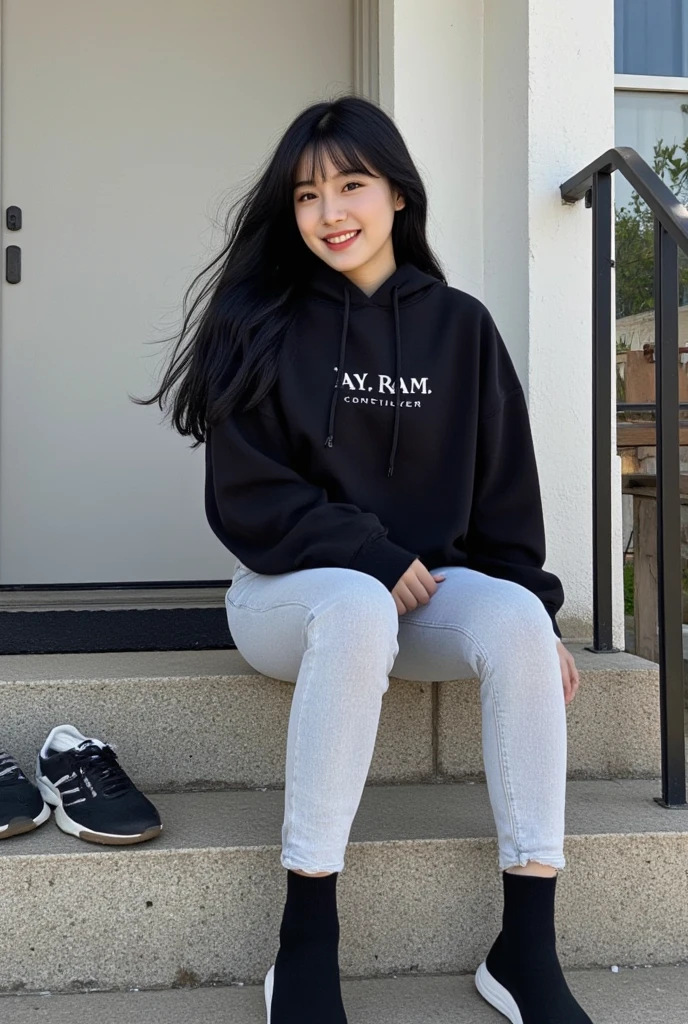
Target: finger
x,y
427,579
419,591
409,601
416,588
574,680
401,608
572,665
566,682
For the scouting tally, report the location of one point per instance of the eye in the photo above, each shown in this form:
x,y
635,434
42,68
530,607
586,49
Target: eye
x,y
305,195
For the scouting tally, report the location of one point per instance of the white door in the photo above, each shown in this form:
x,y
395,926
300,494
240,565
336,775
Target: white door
x,y
124,126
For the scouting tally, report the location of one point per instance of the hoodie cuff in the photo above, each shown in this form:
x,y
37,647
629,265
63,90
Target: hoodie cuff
x,y
384,560
555,626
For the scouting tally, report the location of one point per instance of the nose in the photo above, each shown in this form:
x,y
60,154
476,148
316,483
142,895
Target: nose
x,y
331,214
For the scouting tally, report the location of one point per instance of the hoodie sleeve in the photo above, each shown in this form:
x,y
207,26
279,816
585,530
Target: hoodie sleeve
x,y
506,534
274,520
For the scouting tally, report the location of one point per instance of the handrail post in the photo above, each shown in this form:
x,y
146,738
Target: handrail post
x,y
602,353
670,595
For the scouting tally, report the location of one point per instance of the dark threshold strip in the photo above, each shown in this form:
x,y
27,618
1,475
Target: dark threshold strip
x,y
152,629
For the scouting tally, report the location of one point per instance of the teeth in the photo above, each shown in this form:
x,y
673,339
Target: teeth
x,y
342,238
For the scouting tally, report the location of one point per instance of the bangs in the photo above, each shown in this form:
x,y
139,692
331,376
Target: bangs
x,y
341,152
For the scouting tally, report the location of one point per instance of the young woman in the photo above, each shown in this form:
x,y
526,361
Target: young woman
x,y
370,463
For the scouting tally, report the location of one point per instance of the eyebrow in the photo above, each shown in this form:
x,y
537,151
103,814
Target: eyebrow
x,y
342,174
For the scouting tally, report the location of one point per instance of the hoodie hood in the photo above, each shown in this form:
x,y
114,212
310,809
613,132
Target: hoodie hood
x,y
405,285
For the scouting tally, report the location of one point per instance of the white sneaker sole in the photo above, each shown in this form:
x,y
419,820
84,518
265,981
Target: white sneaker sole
x,y
269,985
52,796
18,826
496,995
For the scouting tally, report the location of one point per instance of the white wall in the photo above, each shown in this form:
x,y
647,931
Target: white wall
x,y
501,101
431,83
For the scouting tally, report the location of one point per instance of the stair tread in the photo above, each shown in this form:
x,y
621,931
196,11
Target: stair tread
x,y
422,812
140,664
655,995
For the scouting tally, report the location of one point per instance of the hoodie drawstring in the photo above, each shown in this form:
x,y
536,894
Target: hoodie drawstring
x,y
340,370
397,373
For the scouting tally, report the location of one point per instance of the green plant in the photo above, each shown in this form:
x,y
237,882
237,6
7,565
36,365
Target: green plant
x,y
635,252
628,588
620,386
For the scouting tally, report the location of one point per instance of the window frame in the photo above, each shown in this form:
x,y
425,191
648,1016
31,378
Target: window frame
x,y
651,83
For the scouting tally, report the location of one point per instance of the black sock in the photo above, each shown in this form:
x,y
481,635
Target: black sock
x,y
524,957
307,987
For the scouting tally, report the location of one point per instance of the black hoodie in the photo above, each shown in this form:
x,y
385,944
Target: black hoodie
x,y
328,471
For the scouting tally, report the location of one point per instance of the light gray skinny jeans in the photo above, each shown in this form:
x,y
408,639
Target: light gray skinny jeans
x,y
337,634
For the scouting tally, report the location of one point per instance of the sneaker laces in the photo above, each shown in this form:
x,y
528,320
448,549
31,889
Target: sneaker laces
x,y
9,769
101,763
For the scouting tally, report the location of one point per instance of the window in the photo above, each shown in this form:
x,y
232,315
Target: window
x,y
642,120
651,37
651,62
651,111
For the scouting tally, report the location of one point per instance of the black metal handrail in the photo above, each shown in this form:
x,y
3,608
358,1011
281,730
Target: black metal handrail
x,y
594,183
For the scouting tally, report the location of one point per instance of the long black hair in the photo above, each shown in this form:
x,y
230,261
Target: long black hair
x,y
229,345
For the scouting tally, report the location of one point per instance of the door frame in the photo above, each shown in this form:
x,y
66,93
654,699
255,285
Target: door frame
x,y
367,48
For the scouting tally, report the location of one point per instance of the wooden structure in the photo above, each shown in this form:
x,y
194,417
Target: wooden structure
x,y
642,435
643,487
639,373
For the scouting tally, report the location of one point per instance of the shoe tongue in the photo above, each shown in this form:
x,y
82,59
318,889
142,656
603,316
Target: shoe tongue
x,y
90,743
63,741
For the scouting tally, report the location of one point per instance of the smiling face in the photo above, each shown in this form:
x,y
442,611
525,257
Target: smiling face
x,y
344,204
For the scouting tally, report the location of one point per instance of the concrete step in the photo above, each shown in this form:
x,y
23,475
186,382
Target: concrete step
x,y
645,996
205,719
420,891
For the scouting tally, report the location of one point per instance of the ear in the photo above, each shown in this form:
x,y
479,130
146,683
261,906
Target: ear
x,y
400,202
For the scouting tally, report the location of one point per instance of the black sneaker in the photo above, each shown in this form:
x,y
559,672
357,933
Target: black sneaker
x,y
21,805
93,796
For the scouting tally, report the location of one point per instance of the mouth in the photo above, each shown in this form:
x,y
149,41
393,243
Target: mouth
x,y
336,246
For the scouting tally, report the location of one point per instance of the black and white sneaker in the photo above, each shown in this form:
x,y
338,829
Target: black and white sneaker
x,y
21,805
497,995
93,796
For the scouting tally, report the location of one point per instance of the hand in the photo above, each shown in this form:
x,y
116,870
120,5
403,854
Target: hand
x,y
415,587
569,673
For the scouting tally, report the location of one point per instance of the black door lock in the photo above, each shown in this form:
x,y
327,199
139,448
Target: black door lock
x,y
14,218
13,264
